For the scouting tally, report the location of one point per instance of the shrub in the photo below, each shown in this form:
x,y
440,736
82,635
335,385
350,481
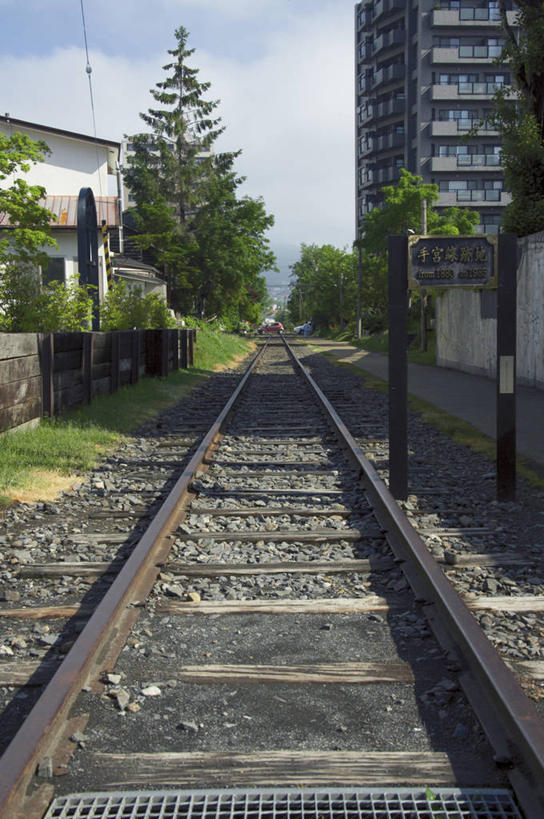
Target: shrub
x,y
126,309
27,307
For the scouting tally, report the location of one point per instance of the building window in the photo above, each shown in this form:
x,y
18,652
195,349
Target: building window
x,y
447,42
449,114
452,150
457,79
53,271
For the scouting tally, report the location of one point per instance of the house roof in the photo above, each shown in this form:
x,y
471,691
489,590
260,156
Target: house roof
x,y
137,271
65,209
113,149
36,126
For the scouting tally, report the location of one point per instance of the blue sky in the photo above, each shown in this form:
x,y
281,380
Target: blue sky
x,y
283,70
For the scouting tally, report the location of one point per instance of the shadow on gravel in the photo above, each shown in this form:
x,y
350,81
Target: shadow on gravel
x,y
442,707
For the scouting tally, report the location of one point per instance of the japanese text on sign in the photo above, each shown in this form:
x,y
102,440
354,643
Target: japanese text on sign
x,y
438,261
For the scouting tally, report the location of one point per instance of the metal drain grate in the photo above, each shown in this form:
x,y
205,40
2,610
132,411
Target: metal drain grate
x,y
440,803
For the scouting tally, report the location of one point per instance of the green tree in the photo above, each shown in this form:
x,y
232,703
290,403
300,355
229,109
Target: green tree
x,y
28,307
401,212
171,166
126,309
22,243
231,250
519,116
324,287
210,244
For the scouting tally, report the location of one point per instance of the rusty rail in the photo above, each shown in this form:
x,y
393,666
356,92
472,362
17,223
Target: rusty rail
x,y
39,732
511,722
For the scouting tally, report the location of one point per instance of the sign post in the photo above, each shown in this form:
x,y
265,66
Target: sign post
x,y
475,261
398,367
506,368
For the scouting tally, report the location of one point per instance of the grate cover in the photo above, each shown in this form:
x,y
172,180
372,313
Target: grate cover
x,y
440,803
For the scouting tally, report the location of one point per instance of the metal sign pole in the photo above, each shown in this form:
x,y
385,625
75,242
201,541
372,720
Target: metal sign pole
x,y
506,368
398,366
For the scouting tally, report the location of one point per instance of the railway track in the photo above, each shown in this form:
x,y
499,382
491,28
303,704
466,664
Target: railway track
x,y
270,627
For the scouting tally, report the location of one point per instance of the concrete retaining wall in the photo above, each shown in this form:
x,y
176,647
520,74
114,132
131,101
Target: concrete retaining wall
x,y
466,339
44,374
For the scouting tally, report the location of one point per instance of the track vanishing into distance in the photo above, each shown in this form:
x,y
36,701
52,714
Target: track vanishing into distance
x,y
245,607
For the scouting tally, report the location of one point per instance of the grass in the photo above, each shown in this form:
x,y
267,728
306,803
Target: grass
x,y
40,462
455,428
379,343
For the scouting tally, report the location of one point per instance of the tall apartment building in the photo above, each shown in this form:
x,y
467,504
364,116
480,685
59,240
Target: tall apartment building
x,y
425,72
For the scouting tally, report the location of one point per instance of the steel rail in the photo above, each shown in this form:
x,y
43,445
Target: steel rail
x,y
511,722
38,734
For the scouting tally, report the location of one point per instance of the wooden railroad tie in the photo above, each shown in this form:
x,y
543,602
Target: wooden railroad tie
x,y
213,569
333,605
283,768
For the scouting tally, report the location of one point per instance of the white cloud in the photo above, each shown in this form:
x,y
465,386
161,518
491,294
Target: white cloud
x,y
237,9
292,113
290,110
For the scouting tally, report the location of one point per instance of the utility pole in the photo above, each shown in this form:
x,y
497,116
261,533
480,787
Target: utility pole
x,y
341,299
359,327
423,304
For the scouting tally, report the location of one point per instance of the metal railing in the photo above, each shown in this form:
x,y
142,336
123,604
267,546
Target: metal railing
x,y
479,52
479,14
487,88
473,160
490,195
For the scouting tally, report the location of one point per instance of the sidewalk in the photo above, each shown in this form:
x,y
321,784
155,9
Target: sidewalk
x,y
469,397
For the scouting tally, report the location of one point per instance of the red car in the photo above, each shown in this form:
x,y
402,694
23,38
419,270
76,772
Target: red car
x,y
276,327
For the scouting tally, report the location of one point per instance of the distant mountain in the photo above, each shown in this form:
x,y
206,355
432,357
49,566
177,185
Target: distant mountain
x,y
279,282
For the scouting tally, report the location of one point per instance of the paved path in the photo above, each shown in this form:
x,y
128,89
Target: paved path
x,y
470,397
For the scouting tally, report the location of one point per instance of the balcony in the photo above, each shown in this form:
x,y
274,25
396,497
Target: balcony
x,y
481,195
366,149
484,227
385,176
369,181
367,114
365,18
384,7
392,74
480,162
464,54
454,127
480,52
473,90
390,108
365,84
389,141
470,17
397,37
484,198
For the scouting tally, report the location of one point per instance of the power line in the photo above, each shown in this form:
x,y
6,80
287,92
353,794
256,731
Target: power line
x,y
89,71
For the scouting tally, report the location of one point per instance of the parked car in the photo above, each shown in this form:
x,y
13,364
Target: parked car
x,y
304,329
275,327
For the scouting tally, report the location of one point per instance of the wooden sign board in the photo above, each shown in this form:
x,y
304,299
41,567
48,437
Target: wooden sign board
x,y
452,261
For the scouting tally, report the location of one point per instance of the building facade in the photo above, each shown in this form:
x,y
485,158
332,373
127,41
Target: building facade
x,y
426,72
80,161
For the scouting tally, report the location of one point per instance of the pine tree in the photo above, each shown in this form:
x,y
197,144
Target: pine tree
x,y
519,116
210,245
171,165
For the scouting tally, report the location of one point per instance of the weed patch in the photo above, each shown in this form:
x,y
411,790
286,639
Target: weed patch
x,y
38,463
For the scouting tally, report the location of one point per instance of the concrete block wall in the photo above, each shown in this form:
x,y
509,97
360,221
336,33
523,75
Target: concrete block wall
x,y
466,341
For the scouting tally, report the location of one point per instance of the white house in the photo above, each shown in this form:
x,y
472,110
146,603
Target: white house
x,y
80,161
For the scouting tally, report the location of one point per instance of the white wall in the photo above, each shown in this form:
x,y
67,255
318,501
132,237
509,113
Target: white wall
x,y
67,248
71,165
465,341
